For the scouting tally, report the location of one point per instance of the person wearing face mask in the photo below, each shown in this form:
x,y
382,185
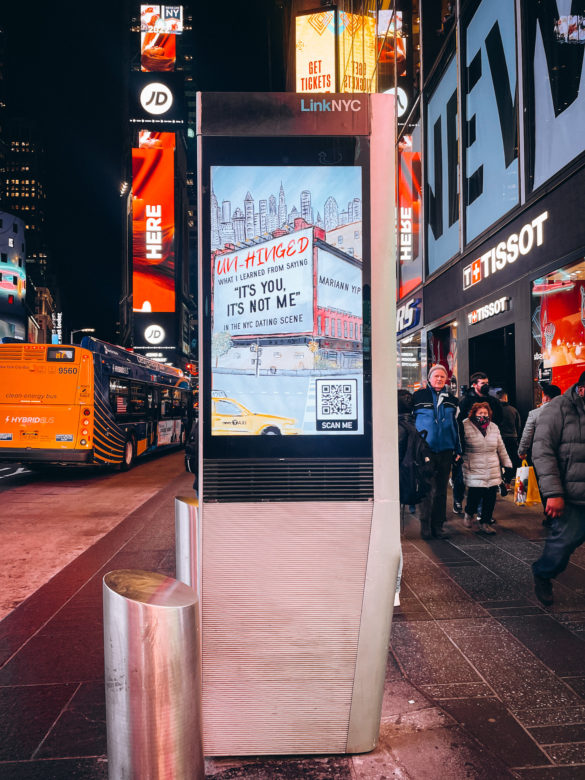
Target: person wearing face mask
x,y
435,412
479,391
558,454
484,456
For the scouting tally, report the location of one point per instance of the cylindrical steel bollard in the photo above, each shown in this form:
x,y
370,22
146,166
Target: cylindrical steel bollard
x,y
186,541
153,677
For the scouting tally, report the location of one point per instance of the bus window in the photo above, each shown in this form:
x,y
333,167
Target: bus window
x,y
166,402
151,399
119,396
137,398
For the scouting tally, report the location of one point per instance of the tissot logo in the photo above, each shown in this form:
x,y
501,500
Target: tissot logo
x,y
156,98
154,334
497,258
489,310
331,105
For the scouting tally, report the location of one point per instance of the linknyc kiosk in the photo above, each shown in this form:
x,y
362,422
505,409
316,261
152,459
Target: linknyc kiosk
x,y
298,539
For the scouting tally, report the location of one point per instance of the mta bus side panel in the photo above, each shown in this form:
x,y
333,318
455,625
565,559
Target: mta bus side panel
x,y
109,437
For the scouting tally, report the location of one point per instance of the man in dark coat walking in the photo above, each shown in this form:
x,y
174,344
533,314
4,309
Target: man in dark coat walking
x,y
558,454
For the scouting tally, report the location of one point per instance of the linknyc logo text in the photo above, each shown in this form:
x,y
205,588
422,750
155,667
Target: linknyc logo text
x,y
331,105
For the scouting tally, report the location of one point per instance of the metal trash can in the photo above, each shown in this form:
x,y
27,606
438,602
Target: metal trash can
x,y
153,677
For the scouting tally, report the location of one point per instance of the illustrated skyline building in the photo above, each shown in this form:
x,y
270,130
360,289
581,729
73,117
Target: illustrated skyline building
x,y
249,224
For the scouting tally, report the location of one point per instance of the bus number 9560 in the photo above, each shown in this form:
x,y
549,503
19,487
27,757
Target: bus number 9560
x,y
65,370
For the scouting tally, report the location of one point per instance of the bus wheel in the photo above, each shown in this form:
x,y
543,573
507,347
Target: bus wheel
x,y
129,453
271,432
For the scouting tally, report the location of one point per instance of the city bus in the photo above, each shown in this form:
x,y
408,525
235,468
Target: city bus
x,y
95,404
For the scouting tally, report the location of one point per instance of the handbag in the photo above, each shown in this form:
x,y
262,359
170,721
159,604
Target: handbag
x,y
525,486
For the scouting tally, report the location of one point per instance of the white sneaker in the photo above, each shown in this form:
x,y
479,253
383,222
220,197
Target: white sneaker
x,y
468,521
486,528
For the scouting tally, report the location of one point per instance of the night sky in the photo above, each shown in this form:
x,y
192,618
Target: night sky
x,y
65,66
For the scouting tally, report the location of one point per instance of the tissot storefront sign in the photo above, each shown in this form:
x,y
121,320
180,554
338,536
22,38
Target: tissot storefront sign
x,y
489,310
552,227
517,245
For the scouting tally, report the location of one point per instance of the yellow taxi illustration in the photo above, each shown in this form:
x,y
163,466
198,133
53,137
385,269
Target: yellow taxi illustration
x,y
230,417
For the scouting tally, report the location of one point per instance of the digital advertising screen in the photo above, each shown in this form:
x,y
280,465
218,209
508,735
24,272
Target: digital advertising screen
x,y
285,325
315,52
357,53
153,139
153,230
274,369
161,18
158,52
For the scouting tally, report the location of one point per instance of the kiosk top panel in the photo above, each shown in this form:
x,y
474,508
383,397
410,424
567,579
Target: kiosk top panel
x,y
283,114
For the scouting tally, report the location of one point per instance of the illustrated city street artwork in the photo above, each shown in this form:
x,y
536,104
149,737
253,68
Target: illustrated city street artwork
x,y
287,322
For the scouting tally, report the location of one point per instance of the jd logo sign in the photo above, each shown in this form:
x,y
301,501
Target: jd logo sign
x,y
154,334
156,98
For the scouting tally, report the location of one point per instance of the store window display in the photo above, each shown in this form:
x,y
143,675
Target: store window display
x,y
558,325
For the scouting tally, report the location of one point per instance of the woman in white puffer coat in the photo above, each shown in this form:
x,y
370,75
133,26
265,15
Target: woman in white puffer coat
x,y
484,456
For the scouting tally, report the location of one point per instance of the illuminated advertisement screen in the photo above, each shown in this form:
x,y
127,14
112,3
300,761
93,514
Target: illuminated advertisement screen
x,y
153,230
161,18
12,268
391,42
357,53
158,52
409,213
315,52
153,139
286,300
558,325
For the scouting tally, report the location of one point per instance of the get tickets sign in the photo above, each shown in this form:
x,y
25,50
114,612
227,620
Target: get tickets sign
x,y
265,288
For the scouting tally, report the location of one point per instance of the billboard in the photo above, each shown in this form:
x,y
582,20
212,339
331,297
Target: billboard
x,y
158,52
12,273
153,139
357,53
153,230
155,336
161,19
315,52
286,300
156,100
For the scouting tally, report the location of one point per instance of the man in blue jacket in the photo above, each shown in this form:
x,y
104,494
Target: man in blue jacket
x,y
435,411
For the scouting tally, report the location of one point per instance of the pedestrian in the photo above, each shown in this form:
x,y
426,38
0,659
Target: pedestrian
x,y
435,411
525,447
510,428
479,390
484,455
558,453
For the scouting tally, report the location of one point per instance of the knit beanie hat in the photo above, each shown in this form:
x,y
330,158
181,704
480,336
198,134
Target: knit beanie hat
x,y
437,367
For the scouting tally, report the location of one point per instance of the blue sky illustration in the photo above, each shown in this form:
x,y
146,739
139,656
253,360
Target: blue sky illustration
x,y
232,183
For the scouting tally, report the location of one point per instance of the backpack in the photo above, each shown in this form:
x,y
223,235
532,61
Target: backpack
x,y
415,468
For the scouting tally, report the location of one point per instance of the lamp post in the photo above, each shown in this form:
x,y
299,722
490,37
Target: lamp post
x,y
80,330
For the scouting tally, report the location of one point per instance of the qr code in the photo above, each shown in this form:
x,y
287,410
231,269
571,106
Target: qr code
x,y
336,400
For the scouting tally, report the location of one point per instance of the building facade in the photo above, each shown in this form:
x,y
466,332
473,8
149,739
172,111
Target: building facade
x,y
491,250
